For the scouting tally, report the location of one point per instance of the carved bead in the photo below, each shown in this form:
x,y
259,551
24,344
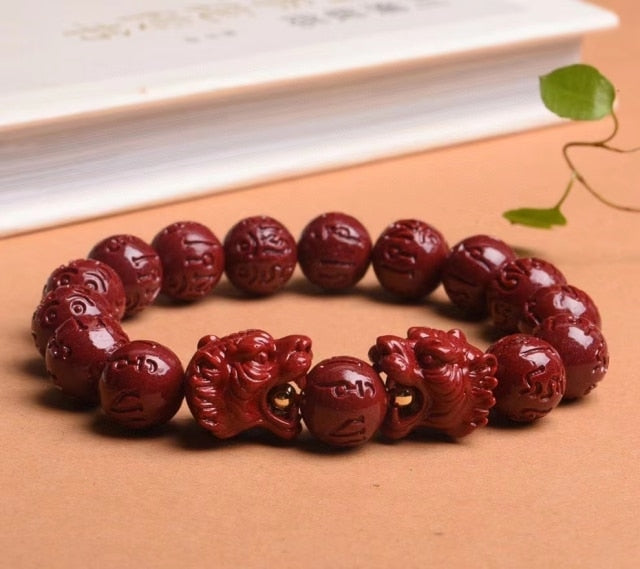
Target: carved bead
x,y
436,380
77,353
141,385
468,269
531,377
513,284
192,260
408,258
334,250
344,401
137,264
94,275
557,299
62,303
240,381
583,350
260,255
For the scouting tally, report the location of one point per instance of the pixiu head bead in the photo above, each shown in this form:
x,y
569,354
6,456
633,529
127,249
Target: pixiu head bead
x,y
435,380
242,381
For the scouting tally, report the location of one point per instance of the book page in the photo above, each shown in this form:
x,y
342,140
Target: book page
x,y
74,56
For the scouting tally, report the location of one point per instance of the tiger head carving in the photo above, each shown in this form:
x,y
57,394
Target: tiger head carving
x,y
243,380
435,380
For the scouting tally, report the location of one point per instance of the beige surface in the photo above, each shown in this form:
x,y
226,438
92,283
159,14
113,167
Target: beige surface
x,y
561,493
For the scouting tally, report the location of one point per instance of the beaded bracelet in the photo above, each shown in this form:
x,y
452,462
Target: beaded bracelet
x,y
551,346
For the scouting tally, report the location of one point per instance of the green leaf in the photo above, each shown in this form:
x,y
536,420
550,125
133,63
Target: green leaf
x,y
534,217
578,92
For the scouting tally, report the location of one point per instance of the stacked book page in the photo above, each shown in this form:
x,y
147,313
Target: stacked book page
x,y
108,106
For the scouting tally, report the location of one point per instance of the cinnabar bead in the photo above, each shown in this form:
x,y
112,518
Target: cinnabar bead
x,y
513,284
531,377
77,353
192,260
334,251
468,269
557,299
583,350
92,274
62,303
260,255
344,401
142,385
408,258
138,266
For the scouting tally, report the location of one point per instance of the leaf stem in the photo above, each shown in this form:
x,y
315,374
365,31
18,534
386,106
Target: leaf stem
x,y
566,190
576,175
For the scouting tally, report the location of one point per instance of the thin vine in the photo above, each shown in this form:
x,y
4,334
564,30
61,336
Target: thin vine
x,y
577,92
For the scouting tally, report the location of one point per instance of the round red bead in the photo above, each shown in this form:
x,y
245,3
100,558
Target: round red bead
x,y
408,258
192,260
138,266
62,303
334,250
94,275
78,351
142,385
344,401
582,348
468,269
260,255
557,299
531,377
513,284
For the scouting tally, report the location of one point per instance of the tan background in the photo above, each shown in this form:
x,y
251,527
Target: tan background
x,y
561,493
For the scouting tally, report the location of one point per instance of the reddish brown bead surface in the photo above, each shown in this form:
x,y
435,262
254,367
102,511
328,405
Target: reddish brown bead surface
x,y
513,284
344,401
94,275
531,377
60,304
77,353
142,385
436,380
557,299
192,260
582,348
260,255
334,250
138,266
468,269
408,258
240,381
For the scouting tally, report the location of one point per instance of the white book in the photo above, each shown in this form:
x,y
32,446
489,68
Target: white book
x,y
114,105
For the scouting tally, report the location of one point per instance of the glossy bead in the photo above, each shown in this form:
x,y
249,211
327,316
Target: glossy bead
x,y
468,269
192,260
531,377
260,255
583,350
557,299
408,258
241,381
62,303
436,380
92,274
141,385
138,266
334,250
344,401
513,284
77,353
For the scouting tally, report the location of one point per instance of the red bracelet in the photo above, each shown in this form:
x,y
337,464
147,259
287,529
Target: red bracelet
x,y
552,347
